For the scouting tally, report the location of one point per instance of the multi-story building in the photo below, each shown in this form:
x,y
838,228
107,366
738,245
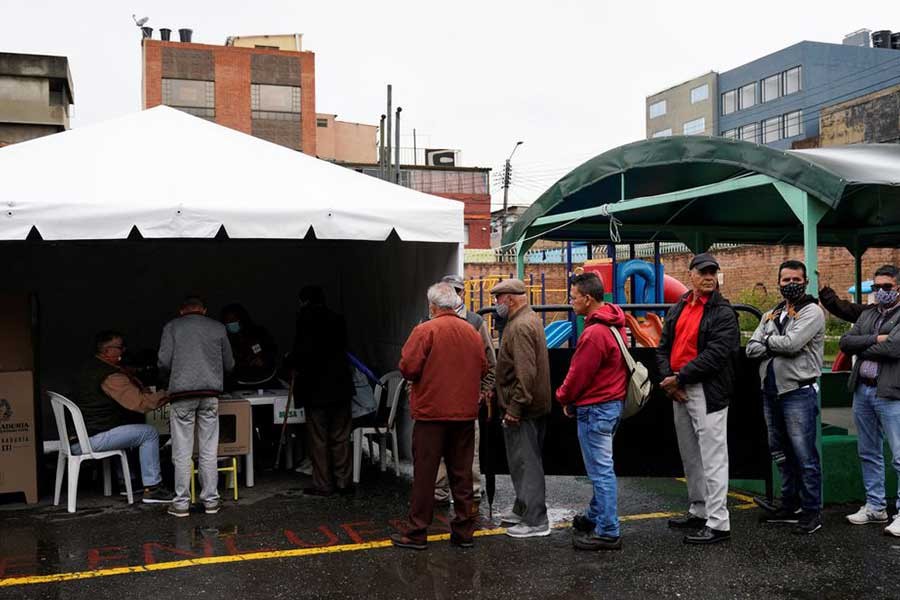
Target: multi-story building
x,y
35,94
688,108
869,119
345,142
256,88
775,100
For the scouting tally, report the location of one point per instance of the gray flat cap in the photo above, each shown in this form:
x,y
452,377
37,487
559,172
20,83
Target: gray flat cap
x,y
509,286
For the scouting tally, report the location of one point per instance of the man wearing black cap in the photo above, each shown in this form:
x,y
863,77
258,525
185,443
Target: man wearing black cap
x,y
696,355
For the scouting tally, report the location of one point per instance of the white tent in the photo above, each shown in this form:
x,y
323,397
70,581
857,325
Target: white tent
x,y
136,212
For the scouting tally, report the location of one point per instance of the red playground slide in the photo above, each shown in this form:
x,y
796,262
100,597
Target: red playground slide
x,y
646,331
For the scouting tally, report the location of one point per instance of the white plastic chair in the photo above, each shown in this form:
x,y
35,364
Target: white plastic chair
x,y
387,395
60,405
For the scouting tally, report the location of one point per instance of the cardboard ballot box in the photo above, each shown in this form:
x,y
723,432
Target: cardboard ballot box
x,y
234,426
18,454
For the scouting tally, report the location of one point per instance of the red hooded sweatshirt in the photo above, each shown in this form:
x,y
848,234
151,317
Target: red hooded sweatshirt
x,y
597,372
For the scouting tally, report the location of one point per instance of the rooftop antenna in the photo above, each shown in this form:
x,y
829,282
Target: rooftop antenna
x,y
140,22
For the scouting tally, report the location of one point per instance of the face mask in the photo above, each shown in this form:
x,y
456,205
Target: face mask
x,y
502,311
886,297
234,327
793,291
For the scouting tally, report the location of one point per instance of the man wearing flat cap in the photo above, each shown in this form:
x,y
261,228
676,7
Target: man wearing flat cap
x,y
696,359
523,389
442,485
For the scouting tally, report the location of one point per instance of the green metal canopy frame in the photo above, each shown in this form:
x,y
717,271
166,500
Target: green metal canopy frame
x,y
706,190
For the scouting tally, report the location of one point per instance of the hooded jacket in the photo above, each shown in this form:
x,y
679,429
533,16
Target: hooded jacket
x,y
597,372
794,346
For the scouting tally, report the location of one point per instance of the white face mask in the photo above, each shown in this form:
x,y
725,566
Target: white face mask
x,y
502,311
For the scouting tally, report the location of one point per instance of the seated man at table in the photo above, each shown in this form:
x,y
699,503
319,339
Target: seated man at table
x,y
253,348
108,397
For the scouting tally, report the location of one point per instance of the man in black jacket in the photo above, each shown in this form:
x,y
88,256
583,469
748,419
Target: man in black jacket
x,y
696,359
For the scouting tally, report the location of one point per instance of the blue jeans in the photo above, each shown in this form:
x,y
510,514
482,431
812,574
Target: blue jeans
x,y
597,424
791,421
876,418
144,437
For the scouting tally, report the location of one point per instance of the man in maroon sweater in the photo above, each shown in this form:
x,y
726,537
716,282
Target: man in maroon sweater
x,y
444,359
594,392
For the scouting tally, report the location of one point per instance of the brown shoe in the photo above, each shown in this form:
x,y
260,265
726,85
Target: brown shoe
x,y
401,541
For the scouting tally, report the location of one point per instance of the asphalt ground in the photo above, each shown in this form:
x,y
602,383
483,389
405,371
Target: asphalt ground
x,y
277,543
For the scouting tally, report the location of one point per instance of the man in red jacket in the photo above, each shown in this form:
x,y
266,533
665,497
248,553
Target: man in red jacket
x,y
444,359
594,392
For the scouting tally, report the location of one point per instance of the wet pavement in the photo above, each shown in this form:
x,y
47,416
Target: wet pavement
x,y
276,543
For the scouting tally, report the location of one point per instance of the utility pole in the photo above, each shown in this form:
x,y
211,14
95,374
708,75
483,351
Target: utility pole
x,y
381,165
507,174
390,165
397,146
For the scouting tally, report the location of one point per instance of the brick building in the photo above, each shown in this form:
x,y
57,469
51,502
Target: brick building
x,y
265,92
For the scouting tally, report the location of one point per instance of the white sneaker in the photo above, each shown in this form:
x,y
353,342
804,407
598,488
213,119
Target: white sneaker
x,y
526,531
510,518
866,515
305,468
893,528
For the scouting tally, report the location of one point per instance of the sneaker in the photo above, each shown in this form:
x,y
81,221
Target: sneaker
x,y
866,515
582,524
305,468
157,495
178,512
782,515
460,542
212,509
687,521
592,541
810,522
510,518
893,528
401,541
527,531
707,536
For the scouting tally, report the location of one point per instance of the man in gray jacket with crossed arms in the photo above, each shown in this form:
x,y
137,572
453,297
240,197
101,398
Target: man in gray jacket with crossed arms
x,y
790,340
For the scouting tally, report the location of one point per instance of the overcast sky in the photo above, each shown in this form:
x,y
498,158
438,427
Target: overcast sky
x,y
568,78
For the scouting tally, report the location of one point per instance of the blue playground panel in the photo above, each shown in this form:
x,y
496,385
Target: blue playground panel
x,y
558,333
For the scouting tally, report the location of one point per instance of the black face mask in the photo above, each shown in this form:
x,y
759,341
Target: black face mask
x,y
793,291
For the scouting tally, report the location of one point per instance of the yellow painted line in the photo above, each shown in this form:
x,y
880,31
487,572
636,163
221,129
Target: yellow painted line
x,y
296,552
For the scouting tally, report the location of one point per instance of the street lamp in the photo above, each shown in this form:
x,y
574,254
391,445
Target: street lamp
x,y
506,179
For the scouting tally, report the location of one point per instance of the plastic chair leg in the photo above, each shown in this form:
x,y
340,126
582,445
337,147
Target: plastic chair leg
x,y
107,477
357,454
382,452
234,463
60,472
74,468
396,453
126,472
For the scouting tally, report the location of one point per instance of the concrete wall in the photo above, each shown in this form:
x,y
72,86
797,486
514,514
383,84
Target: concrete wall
x,y
344,141
830,73
679,109
870,119
234,69
289,41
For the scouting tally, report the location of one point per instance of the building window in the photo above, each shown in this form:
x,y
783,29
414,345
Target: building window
x,y
747,95
749,132
192,96
729,102
771,88
321,122
663,133
792,83
699,94
731,134
793,124
276,102
771,130
466,234
695,127
657,109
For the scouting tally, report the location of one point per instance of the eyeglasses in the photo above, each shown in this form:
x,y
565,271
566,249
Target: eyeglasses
x,y
883,286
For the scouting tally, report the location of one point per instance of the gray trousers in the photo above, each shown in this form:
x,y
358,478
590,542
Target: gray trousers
x,y
442,484
526,469
703,443
184,414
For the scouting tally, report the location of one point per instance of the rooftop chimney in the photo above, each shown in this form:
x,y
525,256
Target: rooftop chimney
x,y
148,32
185,35
165,34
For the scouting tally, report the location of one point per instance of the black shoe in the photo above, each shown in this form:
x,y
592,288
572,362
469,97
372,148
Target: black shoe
x,y
314,491
782,515
707,536
583,524
592,541
765,504
401,541
687,521
460,542
810,522
157,495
